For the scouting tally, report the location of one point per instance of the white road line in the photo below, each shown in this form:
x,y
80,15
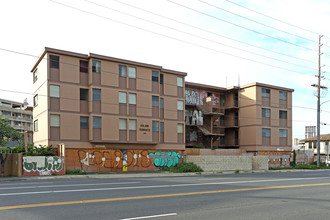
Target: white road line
x,y
150,216
215,178
51,186
158,186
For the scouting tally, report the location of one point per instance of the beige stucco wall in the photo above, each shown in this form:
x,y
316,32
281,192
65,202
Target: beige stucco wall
x,y
170,84
144,130
109,101
170,131
109,73
143,104
69,65
170,108
110,128
70,126
69,98
143,81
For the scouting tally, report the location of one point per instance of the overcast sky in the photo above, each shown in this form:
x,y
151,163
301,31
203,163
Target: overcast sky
x,y
210,40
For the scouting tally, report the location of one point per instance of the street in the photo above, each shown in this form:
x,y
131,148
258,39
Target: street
x,y
271,195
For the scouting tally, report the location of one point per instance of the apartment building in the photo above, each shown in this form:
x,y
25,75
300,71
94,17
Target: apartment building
x,y
255,118
20,117
265,119
109,114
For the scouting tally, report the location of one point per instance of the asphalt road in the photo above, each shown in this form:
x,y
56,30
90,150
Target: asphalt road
x,y
296,195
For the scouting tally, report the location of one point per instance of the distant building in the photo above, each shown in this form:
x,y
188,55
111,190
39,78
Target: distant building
x,y
311,144
20,118
310,131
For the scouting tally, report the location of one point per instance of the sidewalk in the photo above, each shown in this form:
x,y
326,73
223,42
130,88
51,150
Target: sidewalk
x,y
140,175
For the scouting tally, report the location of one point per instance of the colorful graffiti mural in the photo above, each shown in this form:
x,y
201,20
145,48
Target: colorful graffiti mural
x,y
196,97
119,160
165,159
193,117
42,165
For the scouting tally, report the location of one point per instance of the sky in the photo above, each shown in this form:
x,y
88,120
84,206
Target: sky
x,y
221,43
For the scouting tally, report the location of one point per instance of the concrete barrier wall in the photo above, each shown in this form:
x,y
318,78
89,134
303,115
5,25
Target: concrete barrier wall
x,y
211,163
11,164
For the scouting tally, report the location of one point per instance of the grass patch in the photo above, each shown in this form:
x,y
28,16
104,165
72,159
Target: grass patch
x,y
75,172
182,168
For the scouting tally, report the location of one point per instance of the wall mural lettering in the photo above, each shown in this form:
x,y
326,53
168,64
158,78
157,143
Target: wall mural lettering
x,y
165,159
42,164
123,159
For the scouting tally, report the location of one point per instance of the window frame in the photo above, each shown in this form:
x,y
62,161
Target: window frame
x,y
82,68
80,94
265,93
57,121
95,96
130,97
119,124
95,125
180,127
282,96
153,101
121,96
96,68
83,123
130,127
120,67
130,73
180,105
155,78
266,132
280,116
281,133
265,112
35,75
35,125
179,81
155,126
35,100
57,95
54,63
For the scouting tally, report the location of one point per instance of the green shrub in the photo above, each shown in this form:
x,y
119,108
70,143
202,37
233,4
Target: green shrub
x,y
237,171
75,172
183,168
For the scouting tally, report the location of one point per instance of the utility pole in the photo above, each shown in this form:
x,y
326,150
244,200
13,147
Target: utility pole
x,y
318,85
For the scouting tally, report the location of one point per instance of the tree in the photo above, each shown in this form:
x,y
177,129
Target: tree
x,y
7,133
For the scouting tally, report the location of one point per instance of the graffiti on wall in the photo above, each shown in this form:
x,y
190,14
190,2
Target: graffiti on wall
x,y
192,136
165,159
193,117
196,97
42,164
122,159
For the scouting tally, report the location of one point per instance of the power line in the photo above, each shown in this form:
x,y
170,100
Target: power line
x,y
292,25
173,38
200,12
249,19
197,36
211,32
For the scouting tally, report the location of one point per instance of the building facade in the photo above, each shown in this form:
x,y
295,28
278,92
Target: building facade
x,y
20,118
109,114
311,144
255,118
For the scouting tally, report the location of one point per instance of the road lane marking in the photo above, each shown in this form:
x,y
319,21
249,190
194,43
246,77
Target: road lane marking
x,y
215,178
51,186
155,186
150,216
155,196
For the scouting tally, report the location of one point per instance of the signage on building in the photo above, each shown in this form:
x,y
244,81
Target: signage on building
x,y
144,128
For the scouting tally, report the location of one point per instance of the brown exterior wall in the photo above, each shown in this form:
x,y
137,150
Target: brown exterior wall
x,y
11,164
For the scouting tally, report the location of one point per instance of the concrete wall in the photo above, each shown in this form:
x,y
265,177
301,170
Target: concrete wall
x,y
227,163
43,166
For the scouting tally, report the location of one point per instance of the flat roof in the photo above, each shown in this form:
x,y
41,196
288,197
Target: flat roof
x,y
266,86
102,57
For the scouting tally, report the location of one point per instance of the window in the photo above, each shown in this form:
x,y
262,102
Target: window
x,y
132,124
54,91
180,105
96,94
179,81
122,124
155,101
96,66
35,75
283,114
155,76
283,133
84,66
96,122
84,94
132,72
266,132
132,99
283,96
35,100
161,127
122,70
265,93
54,61
155,126
35,125
84,122
55,120
266,112
180,129
161,103
122,97
161,78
